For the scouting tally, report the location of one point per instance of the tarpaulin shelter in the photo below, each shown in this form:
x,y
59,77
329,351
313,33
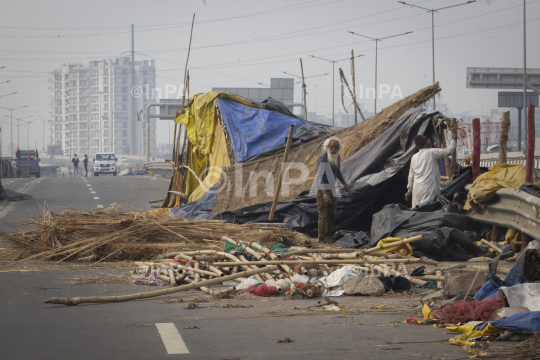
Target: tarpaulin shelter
x,y
377,172
215,120
375,156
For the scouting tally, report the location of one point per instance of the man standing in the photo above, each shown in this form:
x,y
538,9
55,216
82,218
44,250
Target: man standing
x,y
328,170
85,162
75,162
424,176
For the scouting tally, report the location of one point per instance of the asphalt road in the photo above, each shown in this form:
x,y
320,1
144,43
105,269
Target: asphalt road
x,y
154,329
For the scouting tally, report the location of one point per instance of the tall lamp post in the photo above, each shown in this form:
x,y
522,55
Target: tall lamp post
x,y
19,127
43,132
11,116
28,132
376,56
433,11
333,82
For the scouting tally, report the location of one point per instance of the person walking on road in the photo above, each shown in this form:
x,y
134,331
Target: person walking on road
x,y
424,176
328,170
75,162
85,162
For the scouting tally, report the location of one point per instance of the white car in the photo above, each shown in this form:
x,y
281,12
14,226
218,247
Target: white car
x,y
105,163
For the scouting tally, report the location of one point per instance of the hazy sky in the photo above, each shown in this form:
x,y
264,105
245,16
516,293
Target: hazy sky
x,y
240,43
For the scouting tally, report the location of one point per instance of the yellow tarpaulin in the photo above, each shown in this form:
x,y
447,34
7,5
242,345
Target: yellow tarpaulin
x,y
218,158
200,119
404,249
499,176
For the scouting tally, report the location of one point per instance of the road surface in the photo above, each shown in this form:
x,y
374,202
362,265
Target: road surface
x,y
154,329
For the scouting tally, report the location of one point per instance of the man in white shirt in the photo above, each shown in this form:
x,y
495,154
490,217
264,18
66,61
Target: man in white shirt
x,y
424,177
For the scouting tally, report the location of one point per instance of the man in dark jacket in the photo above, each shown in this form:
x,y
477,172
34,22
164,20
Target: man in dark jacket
x,y
328,170
75,162
85,162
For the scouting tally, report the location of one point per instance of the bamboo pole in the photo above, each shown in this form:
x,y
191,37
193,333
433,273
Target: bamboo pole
x,y
354,99
411,279
285,156
195,285
170,198
429,277
439,274
354,87
252,267
305,91
491,246
395,243
328,262
454,153
503,137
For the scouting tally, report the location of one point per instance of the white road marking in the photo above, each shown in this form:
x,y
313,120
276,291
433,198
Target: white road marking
x,y
88,185
92,192
171,339
99,206
96,197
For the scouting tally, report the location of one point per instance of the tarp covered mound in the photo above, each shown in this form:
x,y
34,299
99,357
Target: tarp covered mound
x,y
445,237
378,173
354,138
254,129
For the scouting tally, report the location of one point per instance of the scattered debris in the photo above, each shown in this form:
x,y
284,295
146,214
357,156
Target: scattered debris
x,y
286,340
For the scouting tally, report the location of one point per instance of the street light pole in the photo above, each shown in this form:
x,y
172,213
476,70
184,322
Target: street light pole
x,y
525,73
333,83
11,112
376,58
433,11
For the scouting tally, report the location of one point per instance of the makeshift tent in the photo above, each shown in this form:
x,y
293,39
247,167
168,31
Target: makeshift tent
x,y
211,118
378,174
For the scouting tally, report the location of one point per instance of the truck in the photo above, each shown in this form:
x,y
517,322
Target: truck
x,y
27,163
104,163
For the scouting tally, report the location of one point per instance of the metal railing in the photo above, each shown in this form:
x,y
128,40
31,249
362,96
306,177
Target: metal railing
x,y
512,209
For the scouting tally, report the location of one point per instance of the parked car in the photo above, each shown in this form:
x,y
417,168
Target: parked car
x,y
105,163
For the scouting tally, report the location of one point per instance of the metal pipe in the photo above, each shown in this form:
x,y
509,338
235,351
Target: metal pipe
x,y
433,49
530,144
477,142
525,66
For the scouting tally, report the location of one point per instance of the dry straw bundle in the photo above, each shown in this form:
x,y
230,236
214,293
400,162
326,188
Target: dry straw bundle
x,y
112,234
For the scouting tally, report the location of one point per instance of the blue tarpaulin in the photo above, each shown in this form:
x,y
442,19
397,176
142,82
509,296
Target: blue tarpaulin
x,y
254,131
491,287
140,172
525,321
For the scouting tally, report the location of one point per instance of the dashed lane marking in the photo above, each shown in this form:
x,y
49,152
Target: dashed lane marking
x,y
171,339
96,198
99,206
92,192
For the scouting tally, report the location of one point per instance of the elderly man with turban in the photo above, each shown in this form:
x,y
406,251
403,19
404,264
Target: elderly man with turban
x,y
424,176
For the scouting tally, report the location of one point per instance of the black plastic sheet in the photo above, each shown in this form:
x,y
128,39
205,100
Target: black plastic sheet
x,y
377,174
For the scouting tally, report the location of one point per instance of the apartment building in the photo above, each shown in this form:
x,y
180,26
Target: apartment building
x,y
94,108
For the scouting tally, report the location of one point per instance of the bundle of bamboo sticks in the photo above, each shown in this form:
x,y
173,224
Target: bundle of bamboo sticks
x,y
200,268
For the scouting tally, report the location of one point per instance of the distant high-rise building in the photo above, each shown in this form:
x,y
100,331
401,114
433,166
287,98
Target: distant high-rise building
x,y
94,108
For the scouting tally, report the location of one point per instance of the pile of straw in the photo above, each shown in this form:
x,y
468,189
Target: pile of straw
x,y
112,234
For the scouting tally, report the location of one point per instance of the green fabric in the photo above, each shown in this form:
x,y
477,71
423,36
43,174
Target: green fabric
x,y
280,247
327,216
431,284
